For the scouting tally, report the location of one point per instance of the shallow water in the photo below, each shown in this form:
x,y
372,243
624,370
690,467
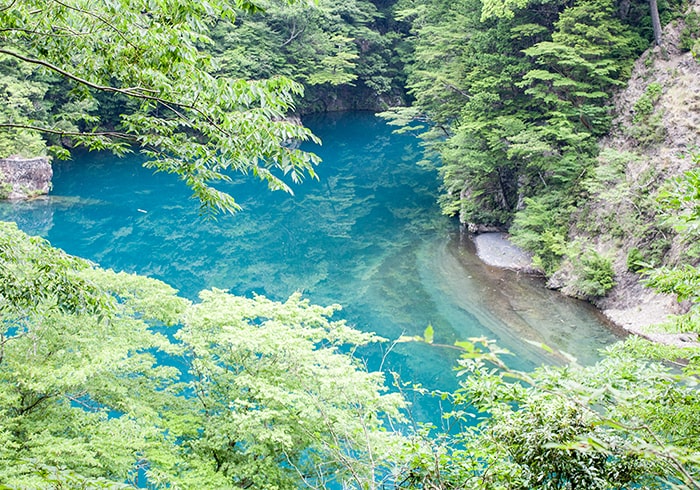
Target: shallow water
x,y
367,235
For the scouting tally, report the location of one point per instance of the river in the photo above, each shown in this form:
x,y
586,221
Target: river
x,y
367,235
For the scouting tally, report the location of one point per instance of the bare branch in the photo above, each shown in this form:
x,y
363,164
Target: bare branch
x,y
456,89
295,34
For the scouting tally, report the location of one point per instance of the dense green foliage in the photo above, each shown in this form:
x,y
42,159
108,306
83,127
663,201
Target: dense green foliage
x,y
690,36
99,390
145,61
22,97
681,202
623,423
203,88
255,393
96,391
341,51
517,94
629,421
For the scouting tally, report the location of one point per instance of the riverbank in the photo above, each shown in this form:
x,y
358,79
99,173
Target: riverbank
x,y
496,250
634,309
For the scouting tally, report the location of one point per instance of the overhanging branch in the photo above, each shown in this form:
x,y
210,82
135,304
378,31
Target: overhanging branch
x,y
109,134
134,92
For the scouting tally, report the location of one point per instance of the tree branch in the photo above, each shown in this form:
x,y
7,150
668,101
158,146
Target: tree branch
x,y
101,19
12,4
40,398
456,89
46,34
135,92
295,34
130,92
110,134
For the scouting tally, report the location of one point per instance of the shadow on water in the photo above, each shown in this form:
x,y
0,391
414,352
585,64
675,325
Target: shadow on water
x,y
368,235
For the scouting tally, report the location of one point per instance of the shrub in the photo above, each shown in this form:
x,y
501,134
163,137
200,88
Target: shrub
x,y
635,260
595,275
644,107
691,32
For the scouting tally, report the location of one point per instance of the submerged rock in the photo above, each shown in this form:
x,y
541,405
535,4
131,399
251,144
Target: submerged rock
x,y
24,178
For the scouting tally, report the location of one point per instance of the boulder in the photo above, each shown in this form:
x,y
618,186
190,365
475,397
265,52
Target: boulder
x,y
24,178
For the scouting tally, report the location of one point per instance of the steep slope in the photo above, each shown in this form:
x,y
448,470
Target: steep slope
x,y
656,128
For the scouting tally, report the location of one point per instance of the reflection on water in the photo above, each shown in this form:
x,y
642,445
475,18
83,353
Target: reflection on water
x,y
34,217
367,235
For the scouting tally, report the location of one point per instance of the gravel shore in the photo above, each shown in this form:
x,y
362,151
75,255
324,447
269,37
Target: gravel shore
x,y
496,250
647,308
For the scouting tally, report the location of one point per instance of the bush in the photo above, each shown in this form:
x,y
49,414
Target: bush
x,y
644,107
596,275
635,260
691,32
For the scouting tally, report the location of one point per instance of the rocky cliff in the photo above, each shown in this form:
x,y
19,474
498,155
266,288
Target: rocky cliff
x,y
656,128
22,178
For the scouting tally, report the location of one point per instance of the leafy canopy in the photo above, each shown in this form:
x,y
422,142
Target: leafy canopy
x,y
151,59
622,423
96,388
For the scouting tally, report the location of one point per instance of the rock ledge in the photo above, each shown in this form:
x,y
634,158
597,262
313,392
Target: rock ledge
x,y
24,178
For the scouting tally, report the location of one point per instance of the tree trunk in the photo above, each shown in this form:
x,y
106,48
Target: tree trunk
x,y
624,9
655,21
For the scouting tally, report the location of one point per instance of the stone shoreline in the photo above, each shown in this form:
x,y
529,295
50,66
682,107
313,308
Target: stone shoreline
x,y
648,308
494,249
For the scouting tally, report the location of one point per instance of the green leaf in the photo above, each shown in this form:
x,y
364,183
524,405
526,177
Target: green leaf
x,y
428,334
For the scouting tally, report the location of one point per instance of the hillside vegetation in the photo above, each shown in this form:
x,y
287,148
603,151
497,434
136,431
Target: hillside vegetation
x,y
560,124
626,216
524,101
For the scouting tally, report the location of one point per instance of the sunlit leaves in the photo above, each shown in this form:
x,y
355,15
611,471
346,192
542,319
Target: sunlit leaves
x,y
248,392
150,55
680,202
271,380
622,423
680,199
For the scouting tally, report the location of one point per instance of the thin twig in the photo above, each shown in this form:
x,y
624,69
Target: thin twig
x,y
101,19
137,93
12,4
111,134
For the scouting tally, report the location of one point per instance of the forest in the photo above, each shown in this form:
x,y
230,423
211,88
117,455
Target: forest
x,y
516,102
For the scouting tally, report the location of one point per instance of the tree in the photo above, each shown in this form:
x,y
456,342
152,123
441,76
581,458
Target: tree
x,y
283,404
463,75
149,57
75,359
254,393
622,423
514,105
630,421
680,203
339,50
655,21
21,95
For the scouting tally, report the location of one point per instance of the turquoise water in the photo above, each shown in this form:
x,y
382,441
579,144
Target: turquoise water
x,y
367,235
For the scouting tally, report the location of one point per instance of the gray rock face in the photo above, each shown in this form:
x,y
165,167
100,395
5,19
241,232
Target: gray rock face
x,y
23,178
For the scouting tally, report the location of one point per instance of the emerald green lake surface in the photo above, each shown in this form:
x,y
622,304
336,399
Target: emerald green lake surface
x,y
367,235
